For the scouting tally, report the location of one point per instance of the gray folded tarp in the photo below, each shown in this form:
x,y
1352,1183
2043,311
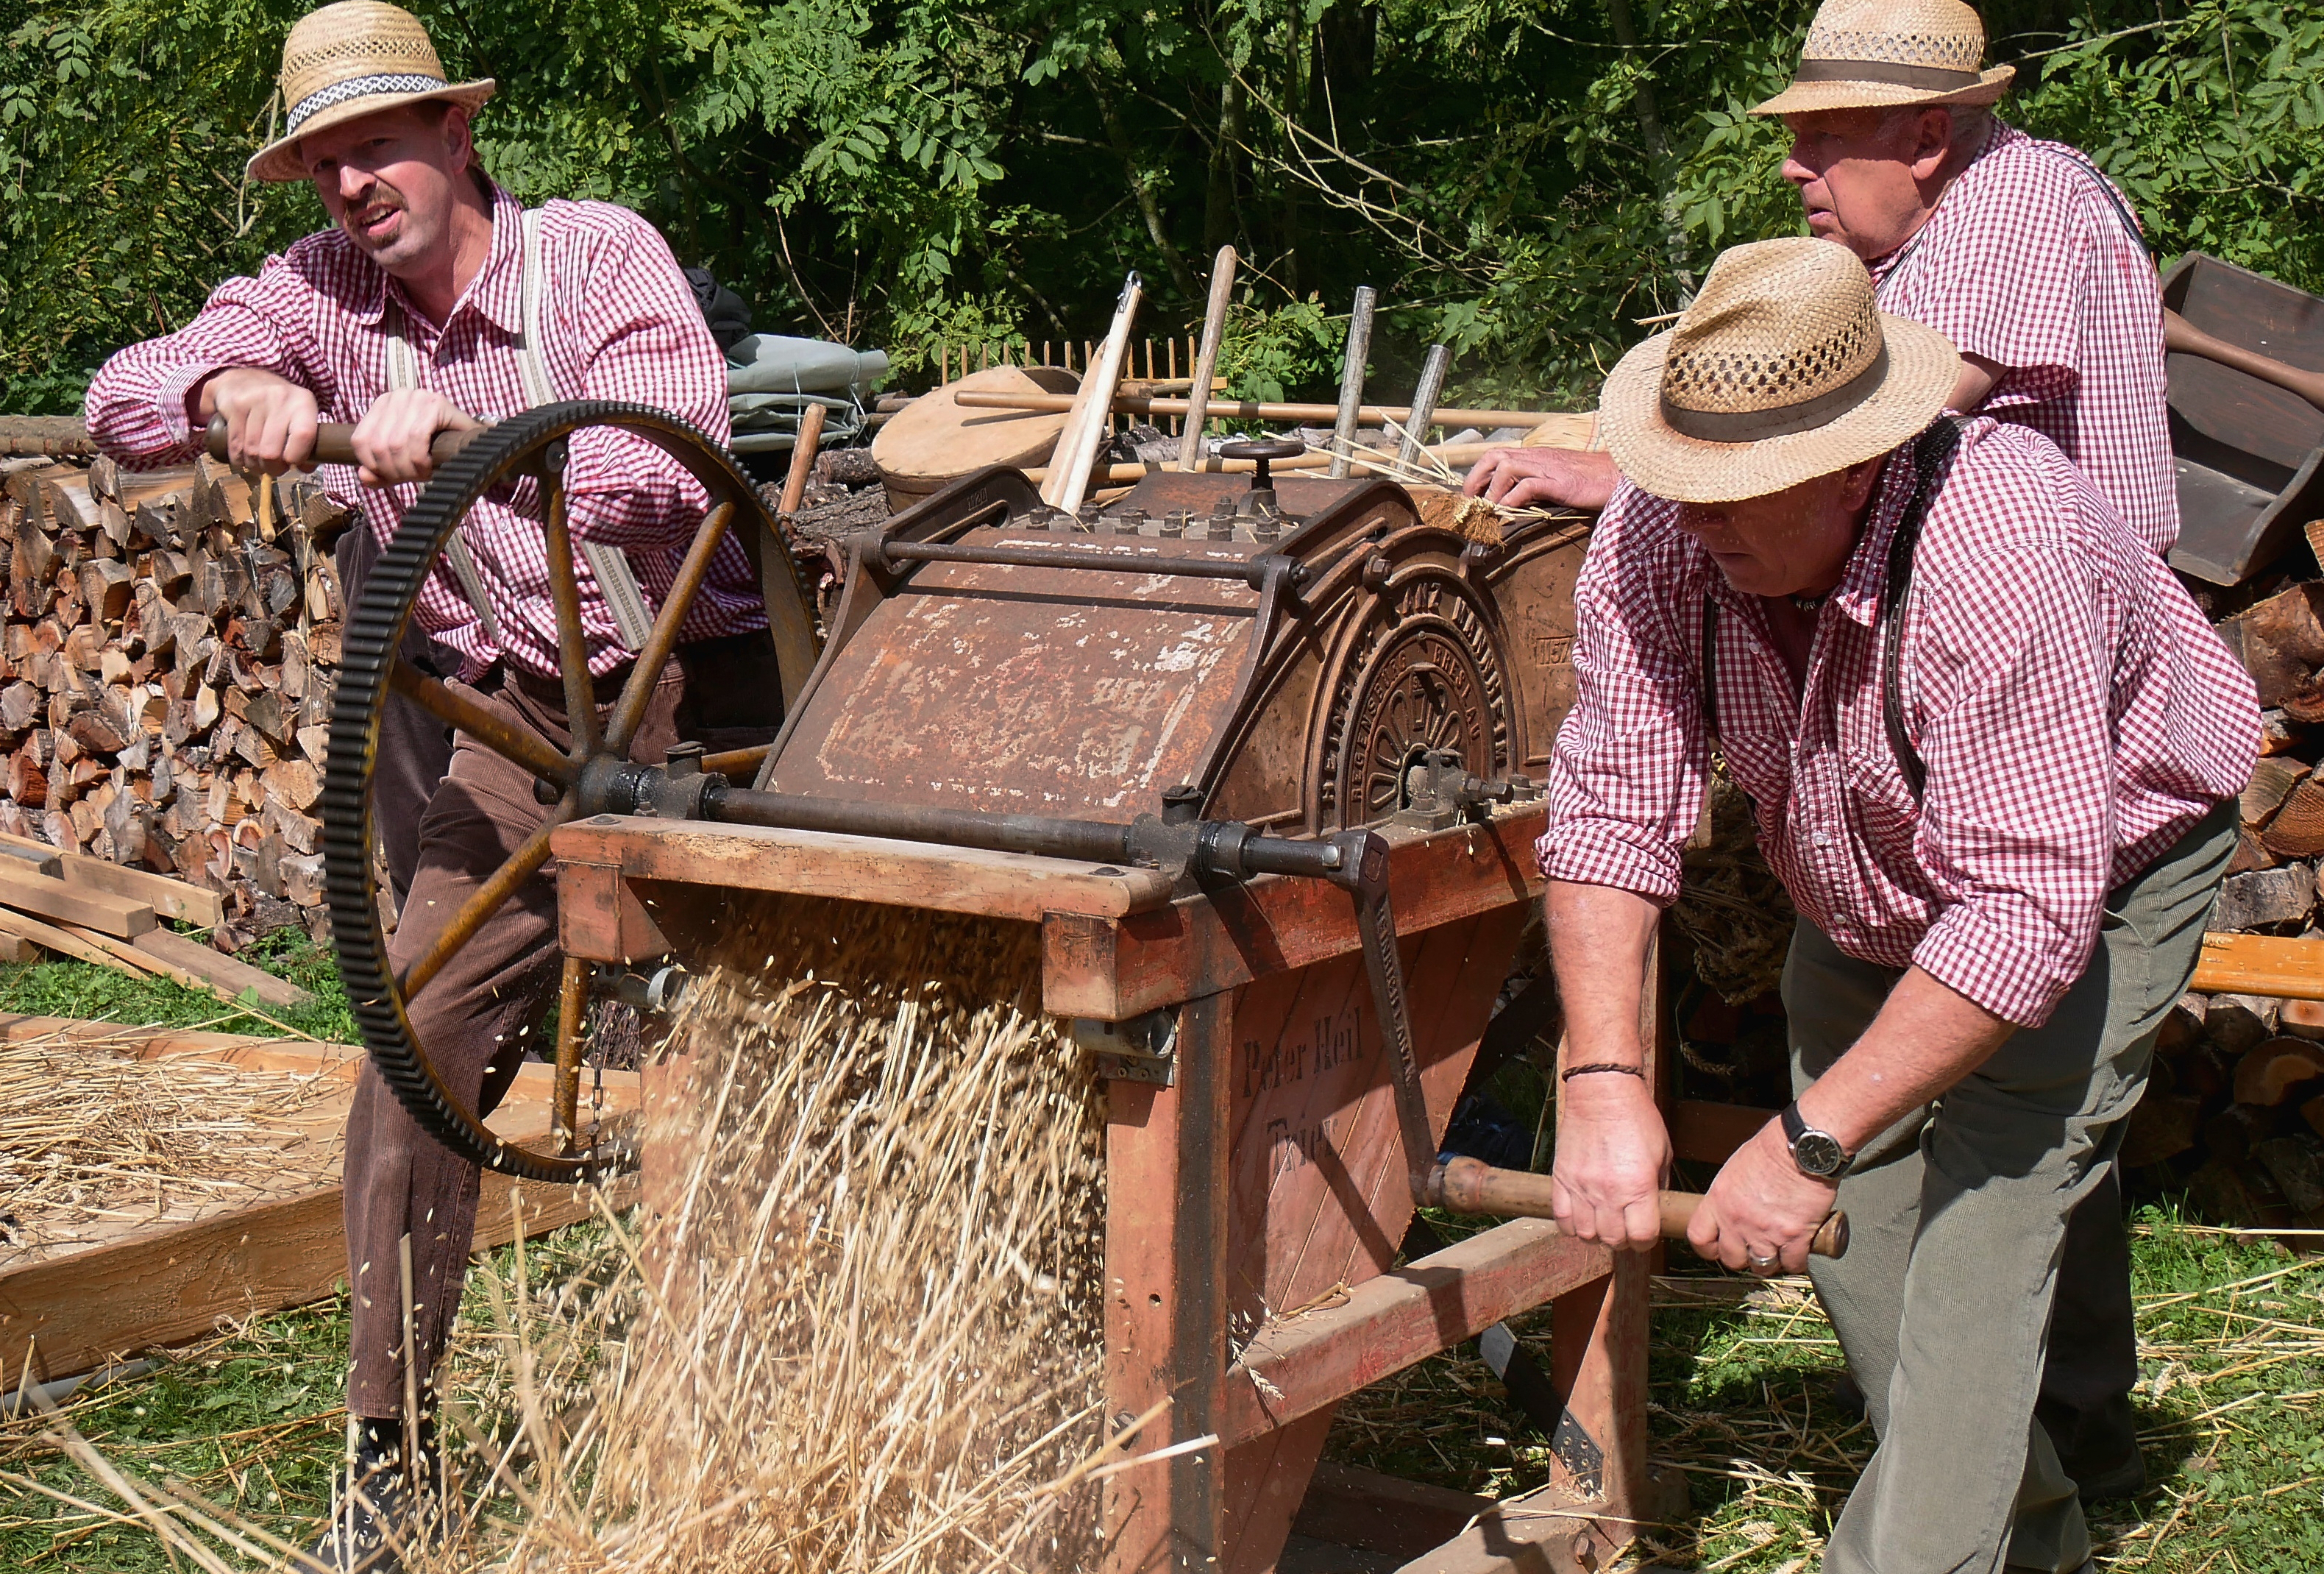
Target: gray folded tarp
x,y
770,380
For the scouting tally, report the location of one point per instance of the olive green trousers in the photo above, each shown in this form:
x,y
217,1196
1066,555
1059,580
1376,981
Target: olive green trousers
x,y
1959,1213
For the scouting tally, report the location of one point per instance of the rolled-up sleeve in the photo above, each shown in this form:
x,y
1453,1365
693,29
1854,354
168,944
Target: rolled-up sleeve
x,y
1629,768
136,405
2017,831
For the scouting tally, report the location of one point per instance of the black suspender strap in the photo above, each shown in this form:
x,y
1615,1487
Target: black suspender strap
x,y
1930,454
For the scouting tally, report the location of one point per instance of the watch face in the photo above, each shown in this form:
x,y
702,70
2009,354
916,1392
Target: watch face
x,y
1817,1154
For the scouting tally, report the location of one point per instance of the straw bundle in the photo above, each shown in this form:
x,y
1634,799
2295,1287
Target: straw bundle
x,y
864,1329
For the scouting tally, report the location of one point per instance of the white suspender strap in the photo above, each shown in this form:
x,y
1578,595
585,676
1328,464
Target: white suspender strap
x,y
609,565
403,372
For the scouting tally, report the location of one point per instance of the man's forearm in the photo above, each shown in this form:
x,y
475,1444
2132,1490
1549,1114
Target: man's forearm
x,y
1598,941
1927,1037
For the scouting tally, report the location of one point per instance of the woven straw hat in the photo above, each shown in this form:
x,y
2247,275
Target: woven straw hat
x,y
350,60
1782,370
1876,54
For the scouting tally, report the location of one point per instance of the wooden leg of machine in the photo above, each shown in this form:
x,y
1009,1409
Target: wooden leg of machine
x,y
1167,1182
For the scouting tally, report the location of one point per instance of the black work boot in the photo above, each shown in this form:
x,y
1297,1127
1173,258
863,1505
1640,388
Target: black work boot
x,y
376,1512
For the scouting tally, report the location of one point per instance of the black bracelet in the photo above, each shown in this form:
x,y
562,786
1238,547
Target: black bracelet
x,y
1571,1072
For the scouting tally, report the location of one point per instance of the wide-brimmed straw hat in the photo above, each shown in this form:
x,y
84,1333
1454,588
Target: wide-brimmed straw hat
x,y
1878,54
1782,370
350,60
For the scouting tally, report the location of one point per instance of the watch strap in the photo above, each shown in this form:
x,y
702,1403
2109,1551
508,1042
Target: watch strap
x,y
1795,1124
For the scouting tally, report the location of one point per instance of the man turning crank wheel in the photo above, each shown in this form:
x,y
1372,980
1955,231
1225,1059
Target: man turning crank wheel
x,y
1993,750
438,303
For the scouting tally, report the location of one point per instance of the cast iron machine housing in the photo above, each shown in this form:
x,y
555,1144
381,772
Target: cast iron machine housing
x,y
1260,763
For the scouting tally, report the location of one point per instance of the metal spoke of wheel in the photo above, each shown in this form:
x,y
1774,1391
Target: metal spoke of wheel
x,y
572,1009
572,645
631,711
490,897
518,745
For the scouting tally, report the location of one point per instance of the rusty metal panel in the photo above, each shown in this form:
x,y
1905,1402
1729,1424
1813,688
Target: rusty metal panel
x,y
1030,690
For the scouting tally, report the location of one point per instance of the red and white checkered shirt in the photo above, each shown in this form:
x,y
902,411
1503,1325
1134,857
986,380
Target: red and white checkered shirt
x,y
2076,714
2031,260
618,321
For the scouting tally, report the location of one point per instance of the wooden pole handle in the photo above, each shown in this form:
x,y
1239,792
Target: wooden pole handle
x,y
2181,336
334,442
803,450
1473,1186
1206,357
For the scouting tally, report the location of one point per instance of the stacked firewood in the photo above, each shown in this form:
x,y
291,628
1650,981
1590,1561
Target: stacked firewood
x,y
167,660
2234,1110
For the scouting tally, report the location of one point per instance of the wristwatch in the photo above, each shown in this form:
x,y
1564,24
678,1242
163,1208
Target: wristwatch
x,y
1817,1154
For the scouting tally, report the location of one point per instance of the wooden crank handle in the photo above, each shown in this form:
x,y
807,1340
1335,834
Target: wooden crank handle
x,y
1473,1186
334,442
2184,338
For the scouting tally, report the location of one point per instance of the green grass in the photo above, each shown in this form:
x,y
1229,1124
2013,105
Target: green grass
x,y
2231,1377
78,989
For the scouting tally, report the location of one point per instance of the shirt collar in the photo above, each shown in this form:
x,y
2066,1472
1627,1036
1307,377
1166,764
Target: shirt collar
x,y
496,293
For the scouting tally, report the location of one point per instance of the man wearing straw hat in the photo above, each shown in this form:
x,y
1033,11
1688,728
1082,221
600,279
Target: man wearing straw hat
x,y
1993,749
436,304
2031,262
2018,250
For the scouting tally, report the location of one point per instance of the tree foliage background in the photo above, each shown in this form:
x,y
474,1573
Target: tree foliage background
x,y
1523,179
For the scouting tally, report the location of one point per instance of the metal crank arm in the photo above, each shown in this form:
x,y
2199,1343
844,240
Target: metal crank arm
x,y
1462,1185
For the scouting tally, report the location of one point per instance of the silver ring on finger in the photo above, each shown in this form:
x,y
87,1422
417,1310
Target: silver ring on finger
x,y
1763,1266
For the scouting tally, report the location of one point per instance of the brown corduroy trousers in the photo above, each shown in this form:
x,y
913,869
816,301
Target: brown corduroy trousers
x,y
477,1018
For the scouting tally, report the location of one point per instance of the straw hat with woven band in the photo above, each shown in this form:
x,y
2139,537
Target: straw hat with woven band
x,y
350,60
1878,54
1782,370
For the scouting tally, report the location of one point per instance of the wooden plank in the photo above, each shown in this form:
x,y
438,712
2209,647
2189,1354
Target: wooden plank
x,y
168,898
1403,1316
2269,964
1116,969
98,910
173,1282
67,944
923,874
184,955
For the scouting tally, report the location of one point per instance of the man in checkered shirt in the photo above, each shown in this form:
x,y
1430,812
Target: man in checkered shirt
x,y
406,318
2018,250
2031,262
1994,750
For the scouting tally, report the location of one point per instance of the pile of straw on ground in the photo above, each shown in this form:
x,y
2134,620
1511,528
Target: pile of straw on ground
x,y
93,1141
860,1327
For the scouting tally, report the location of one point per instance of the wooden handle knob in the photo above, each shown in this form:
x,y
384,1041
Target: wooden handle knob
x,y
1472,1186
334,442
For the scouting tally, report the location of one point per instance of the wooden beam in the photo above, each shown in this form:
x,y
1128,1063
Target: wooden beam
x,y
1302,1363
66,944
47,898
925,874
2250,964
1115,968
182,954
168,898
